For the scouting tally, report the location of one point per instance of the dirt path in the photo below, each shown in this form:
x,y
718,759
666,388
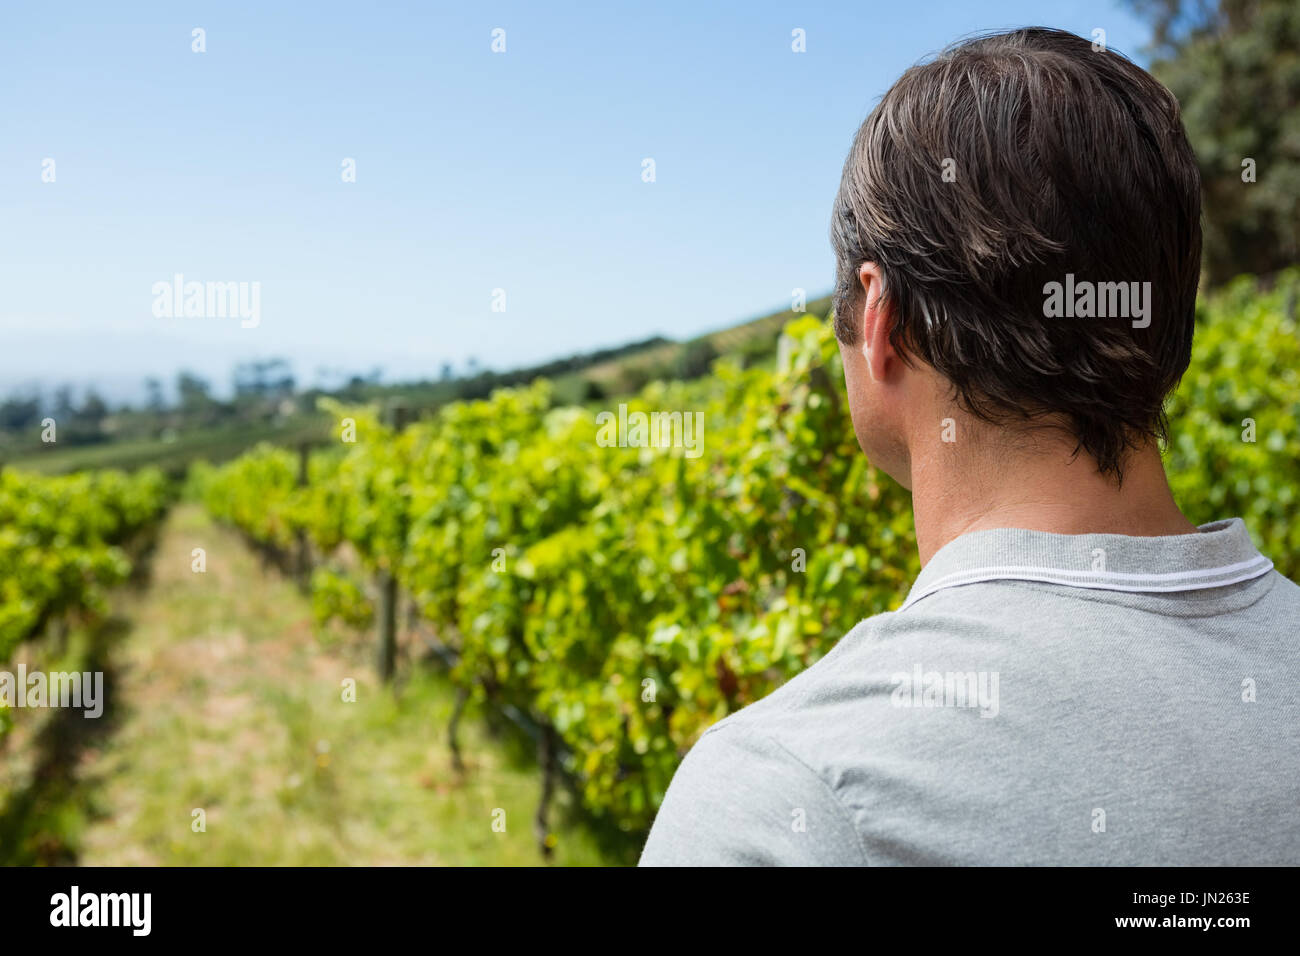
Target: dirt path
x,y
226,702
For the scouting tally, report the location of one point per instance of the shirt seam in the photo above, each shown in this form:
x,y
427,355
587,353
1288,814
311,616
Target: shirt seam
x,y
830,791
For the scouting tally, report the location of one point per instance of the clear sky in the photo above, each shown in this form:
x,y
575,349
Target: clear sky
x,y
475,171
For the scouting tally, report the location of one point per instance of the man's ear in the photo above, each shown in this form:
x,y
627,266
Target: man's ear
x,y
877,322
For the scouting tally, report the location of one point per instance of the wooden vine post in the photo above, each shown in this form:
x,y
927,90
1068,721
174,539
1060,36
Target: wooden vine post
x,y
386,652
547,758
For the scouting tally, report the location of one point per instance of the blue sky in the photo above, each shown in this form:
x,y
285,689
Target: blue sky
x,y
475,171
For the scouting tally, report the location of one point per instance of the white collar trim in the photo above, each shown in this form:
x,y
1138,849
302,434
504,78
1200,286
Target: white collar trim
x,y
1192,580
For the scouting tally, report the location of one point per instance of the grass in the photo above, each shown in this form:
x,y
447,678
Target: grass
x,y
225,701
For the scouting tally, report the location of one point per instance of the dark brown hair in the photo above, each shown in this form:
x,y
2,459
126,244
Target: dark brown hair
x,y
1060,159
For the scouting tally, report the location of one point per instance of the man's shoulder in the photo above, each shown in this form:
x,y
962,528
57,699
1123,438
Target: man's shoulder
x,y
804,720
882,726
859,672
750,792
1286,589
741,797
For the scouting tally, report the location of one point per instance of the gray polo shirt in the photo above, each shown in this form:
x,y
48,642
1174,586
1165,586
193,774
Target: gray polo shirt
x,y
1038,699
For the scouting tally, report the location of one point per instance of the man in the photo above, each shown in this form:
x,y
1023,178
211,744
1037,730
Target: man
x,y
1079,675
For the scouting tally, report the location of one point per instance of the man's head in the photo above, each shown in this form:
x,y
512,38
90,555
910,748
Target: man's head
x,y
1011,162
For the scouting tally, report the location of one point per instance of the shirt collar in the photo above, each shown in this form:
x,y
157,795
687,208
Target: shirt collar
x,y
1221,554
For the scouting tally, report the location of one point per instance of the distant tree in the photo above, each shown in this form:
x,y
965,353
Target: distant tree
x,y
266,378
633,378
1235,68
1173,22
64,405
93,409
154,395
696,359
20,411
193,392
248,379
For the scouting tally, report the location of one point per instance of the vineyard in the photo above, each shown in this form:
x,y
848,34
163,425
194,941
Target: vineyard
x,y
613,598
65,541
622,599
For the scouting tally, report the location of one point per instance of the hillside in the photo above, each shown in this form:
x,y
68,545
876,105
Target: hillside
x,y
173,442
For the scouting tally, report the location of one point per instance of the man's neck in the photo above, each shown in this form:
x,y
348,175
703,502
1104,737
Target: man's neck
x,y
955,492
